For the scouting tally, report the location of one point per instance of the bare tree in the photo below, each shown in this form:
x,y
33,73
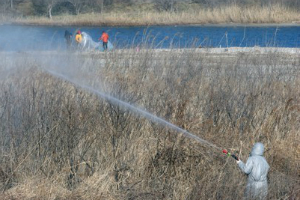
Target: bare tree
x,y
78,5
11,4
50,4
165,5
101,2
4,5
7,3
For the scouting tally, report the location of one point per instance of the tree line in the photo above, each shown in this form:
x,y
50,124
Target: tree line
x,y
48,7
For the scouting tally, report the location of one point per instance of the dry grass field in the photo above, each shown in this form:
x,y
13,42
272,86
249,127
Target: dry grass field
x,y
67,132
191,15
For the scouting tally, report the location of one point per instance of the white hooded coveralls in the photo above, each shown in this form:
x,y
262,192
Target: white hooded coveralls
x,y
257,169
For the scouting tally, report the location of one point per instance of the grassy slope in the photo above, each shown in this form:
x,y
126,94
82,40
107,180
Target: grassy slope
x,y
146,14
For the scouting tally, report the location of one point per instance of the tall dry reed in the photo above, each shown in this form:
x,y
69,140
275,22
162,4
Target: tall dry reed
x,y
219,15
61,141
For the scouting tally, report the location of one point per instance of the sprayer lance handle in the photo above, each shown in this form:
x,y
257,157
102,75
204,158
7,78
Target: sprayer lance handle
x,y
235,157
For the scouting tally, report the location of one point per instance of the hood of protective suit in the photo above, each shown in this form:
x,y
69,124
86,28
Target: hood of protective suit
x,y
258,149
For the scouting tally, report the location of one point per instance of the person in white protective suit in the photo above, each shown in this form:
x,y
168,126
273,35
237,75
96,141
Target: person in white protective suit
x,y
257,169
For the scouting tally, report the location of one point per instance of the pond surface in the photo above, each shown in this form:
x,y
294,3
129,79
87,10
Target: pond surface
x,y
26,38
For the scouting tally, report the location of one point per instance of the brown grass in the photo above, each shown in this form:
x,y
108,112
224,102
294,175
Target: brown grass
x,y
223,15
60,141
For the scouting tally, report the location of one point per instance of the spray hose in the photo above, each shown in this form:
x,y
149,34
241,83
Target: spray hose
x,y
229,154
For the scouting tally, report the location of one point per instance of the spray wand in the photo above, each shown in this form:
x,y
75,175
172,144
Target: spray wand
x,y
229,154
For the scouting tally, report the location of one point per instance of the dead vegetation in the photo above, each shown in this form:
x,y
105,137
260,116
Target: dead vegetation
x,y
67,140
274,14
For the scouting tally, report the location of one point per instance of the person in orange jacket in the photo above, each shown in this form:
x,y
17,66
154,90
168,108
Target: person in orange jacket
x,y
104,37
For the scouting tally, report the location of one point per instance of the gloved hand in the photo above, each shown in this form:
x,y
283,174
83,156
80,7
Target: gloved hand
x,y
238,161
235,157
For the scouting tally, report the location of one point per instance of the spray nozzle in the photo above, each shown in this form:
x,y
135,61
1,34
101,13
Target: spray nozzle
x,y
229,154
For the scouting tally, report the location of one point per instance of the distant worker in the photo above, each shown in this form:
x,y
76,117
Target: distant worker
x,y
78,38
257,169
68,37
104,37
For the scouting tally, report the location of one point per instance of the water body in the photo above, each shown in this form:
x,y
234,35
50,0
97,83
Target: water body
x,y
24,38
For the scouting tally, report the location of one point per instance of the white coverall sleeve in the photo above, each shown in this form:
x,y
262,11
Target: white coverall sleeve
x,y
246,168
